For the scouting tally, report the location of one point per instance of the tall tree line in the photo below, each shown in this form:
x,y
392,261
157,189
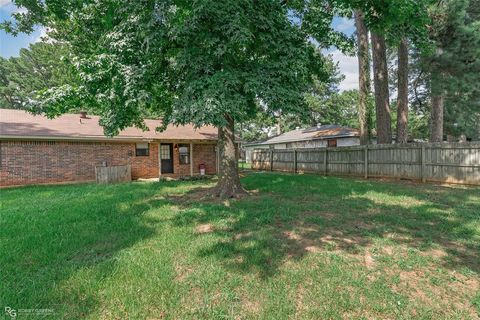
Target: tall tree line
x,y
36,69
443,38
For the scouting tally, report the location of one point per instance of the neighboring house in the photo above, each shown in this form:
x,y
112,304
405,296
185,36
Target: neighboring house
x,y
37,150
320,136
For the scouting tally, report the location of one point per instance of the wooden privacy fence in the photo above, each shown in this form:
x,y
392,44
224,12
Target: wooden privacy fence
x,y
113,174
440,162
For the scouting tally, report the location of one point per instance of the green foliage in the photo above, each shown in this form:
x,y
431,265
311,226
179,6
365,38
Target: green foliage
x,y
337,108
315,17
38,68
189,62
258,128
453,69
395,18
323,107
315,98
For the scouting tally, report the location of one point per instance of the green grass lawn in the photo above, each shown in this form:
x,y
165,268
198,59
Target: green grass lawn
x,y
244,165
305,247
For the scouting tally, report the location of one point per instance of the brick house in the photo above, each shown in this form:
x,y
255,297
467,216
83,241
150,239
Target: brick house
x,y
38,150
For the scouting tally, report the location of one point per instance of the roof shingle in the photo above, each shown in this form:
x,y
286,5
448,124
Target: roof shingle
x,y
21,124
321,132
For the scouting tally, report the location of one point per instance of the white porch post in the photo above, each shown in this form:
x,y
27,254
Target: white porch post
x,y
159,161
191,159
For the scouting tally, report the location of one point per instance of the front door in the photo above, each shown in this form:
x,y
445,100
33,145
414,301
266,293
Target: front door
x,y
166,157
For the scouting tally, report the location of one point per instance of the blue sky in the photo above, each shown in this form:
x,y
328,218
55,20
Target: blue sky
x,y
10,46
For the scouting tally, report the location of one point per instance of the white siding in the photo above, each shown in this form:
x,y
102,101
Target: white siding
x,y
347,142
280,146
341,142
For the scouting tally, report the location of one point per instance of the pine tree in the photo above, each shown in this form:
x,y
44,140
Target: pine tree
x,y
363,54
36,69
382,96
454,68
402,100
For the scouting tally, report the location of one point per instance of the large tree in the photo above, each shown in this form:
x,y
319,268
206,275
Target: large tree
x,y
382,96
203,62
391,22
402,93
363,54
36,69
454,68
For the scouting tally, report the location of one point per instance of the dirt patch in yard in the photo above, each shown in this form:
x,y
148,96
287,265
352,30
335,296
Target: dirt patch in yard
x,y
182,271
251,305
456,294
204,228
369,260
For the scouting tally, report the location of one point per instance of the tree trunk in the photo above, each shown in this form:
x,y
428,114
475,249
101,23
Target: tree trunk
x,y
402,100
382,97
363,77
436,122
228,185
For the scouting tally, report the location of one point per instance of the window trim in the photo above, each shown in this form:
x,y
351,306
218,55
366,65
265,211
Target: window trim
x,y
147,153
182,155
165,149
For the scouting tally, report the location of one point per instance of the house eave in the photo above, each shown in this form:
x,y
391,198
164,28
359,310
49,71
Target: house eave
x,y
73,138
309,139
102,139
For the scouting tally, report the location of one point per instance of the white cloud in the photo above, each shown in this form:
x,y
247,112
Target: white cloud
x,y
43,36
4,3
9,7
20,10
348,66
345,24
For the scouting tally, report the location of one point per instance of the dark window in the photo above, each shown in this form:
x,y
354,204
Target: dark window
x,y
332,143
142,149
184,152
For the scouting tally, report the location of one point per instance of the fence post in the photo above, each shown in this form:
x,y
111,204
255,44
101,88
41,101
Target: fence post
x,y
424,178
325,162
366,162
271,160
295,161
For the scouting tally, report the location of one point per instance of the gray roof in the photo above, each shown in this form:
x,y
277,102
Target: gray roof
x,y
314,133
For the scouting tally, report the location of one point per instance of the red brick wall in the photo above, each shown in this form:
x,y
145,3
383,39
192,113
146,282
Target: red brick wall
x,y
145,167
202,153
37,162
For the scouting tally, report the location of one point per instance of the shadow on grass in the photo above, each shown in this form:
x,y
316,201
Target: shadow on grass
x,y
47,244
294,215
59,234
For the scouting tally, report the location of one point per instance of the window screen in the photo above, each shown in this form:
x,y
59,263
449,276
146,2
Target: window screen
x,y
142,149
184,151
